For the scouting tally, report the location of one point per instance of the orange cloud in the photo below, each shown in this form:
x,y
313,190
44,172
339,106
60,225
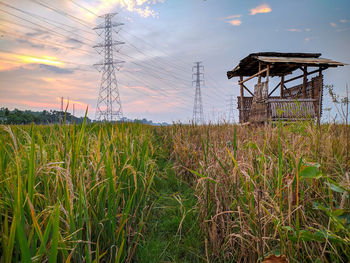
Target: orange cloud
x,y
264,8
27,103
8,64
71,102
39,60
25,59
235,22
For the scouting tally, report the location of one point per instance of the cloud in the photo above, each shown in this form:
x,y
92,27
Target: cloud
x,y
16,59
343,20
141,7
307,29
235,22
293,30
264,8
231,17
343,29
333,24
47,60
55,69
77,104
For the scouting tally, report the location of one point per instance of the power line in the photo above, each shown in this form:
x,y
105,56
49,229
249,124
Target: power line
x,y
41,26
151,45
29,55
46,42
156,89
48,21
63,13
87,9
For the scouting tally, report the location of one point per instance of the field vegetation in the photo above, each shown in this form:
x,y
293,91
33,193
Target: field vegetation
x,y
183,193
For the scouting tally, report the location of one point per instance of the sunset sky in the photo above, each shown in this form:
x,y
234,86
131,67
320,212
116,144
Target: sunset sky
x,y
46,50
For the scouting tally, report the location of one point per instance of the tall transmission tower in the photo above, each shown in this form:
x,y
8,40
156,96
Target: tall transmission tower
x,y
109,106
198,76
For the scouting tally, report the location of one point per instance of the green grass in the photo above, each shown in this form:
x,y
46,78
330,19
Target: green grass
x,y
173,233
73,192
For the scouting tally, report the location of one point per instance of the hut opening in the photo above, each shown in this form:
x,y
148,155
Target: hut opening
x,y
302,101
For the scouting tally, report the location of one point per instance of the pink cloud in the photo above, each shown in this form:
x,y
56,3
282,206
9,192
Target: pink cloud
x,y
231,17
235,22
294,30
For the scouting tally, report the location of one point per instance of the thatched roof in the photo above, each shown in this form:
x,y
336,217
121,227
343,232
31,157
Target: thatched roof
x,y
282,63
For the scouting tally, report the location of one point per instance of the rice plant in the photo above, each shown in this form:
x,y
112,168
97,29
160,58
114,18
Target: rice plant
x,y
281,189
184,193
73,192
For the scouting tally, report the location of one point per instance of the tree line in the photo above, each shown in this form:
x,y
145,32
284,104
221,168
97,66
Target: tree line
x,y
17,116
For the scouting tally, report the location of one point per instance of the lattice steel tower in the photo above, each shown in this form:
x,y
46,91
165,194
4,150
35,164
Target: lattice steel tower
x,y
109,107
231,117
198,75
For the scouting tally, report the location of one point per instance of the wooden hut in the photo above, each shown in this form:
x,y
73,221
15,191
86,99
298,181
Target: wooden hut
x,y
303,101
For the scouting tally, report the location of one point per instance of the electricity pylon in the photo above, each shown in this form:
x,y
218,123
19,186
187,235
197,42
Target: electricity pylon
x,y
197,73
109,106
231,117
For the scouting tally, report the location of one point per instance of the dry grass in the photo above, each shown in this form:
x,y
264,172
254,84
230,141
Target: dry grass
x,y
276,189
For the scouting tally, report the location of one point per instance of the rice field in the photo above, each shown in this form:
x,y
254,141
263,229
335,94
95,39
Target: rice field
x,y
183,193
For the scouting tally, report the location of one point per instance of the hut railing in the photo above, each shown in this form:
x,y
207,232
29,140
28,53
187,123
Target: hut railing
x,y
291,109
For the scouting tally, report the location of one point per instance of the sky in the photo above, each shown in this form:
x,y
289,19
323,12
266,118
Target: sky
x,y
46,51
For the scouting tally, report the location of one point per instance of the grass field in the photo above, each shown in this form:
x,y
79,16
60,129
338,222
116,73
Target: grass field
x,y
137,193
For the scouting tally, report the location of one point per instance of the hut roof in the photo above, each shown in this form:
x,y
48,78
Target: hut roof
x,y
283,63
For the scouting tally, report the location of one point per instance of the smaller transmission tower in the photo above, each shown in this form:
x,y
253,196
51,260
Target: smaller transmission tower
x,y
198,79
231,117
109,106
61,104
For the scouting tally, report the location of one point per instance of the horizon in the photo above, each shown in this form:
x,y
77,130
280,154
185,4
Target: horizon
x,y
47,53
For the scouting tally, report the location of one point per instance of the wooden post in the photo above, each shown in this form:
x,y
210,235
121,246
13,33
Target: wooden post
x,y
242,101
267,77
304,82
282,86
320,94
267,73
259,77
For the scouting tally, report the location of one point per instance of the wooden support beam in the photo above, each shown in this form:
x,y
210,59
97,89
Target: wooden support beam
x,y
320,71
253,76
298,77
304,82
259,77
282,85
274,89
247,90
242,100
267,77
320,95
